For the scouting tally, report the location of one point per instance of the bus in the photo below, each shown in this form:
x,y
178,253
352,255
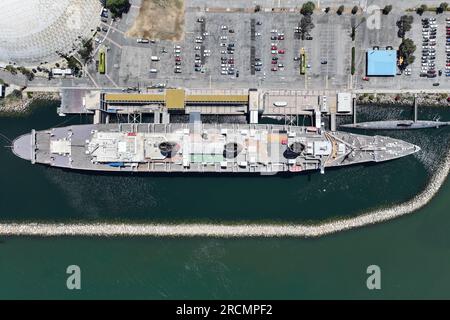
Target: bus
x,y
102,62
302,61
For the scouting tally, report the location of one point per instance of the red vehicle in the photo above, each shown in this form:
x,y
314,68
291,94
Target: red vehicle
x,y
280,37
281,51
365,78
274,69
273,48
177,58
274,62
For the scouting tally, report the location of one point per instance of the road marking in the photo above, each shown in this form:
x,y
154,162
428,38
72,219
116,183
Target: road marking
x,y
110,79
92,79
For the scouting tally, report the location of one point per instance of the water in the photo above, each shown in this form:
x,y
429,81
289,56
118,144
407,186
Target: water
x,y
412,251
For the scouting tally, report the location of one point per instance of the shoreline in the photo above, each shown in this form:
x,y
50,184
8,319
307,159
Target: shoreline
x,y
405,99
18,107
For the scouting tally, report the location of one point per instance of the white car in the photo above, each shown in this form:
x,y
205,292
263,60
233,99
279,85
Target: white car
x,y
257,34
223,52
223,44
177,47
274,51
205,34
274,31
197,48
207,51
224,72
198,41
223,37
223,27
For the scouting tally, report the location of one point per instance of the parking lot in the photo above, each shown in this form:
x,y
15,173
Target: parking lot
x,y
244,49
387,36
235,49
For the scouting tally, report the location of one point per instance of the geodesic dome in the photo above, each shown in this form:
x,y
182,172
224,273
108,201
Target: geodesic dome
x,y
33,31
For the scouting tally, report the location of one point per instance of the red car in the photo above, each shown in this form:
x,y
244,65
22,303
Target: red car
x,y
177,58
281,51
365,78
274,62
273,48
274,69
280,37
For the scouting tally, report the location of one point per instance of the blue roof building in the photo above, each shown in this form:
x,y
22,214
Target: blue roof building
x,y
381,63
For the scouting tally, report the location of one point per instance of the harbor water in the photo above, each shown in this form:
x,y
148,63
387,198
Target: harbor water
x,y
412,251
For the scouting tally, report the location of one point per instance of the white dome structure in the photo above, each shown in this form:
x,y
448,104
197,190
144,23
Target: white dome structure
x,y
33,31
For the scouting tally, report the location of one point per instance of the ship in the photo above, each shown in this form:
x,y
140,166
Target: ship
x,y
396,125
204,148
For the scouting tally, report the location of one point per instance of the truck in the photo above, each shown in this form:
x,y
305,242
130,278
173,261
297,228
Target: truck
x,y
155,58
140,40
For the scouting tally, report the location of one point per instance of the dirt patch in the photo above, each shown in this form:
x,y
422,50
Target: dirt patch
x,y
159,19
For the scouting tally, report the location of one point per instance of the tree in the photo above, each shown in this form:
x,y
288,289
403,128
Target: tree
x,y
306,25
404,25
387,9
340,10
420,10
257,8
308,8
11,69
355,9
86,50
327,9
406,51
442,7
118,7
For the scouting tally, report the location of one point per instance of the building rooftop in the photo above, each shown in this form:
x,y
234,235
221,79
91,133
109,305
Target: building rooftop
x,y
381,62
33,31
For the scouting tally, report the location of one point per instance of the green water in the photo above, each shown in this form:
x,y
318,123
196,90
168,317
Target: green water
x,y
413,252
